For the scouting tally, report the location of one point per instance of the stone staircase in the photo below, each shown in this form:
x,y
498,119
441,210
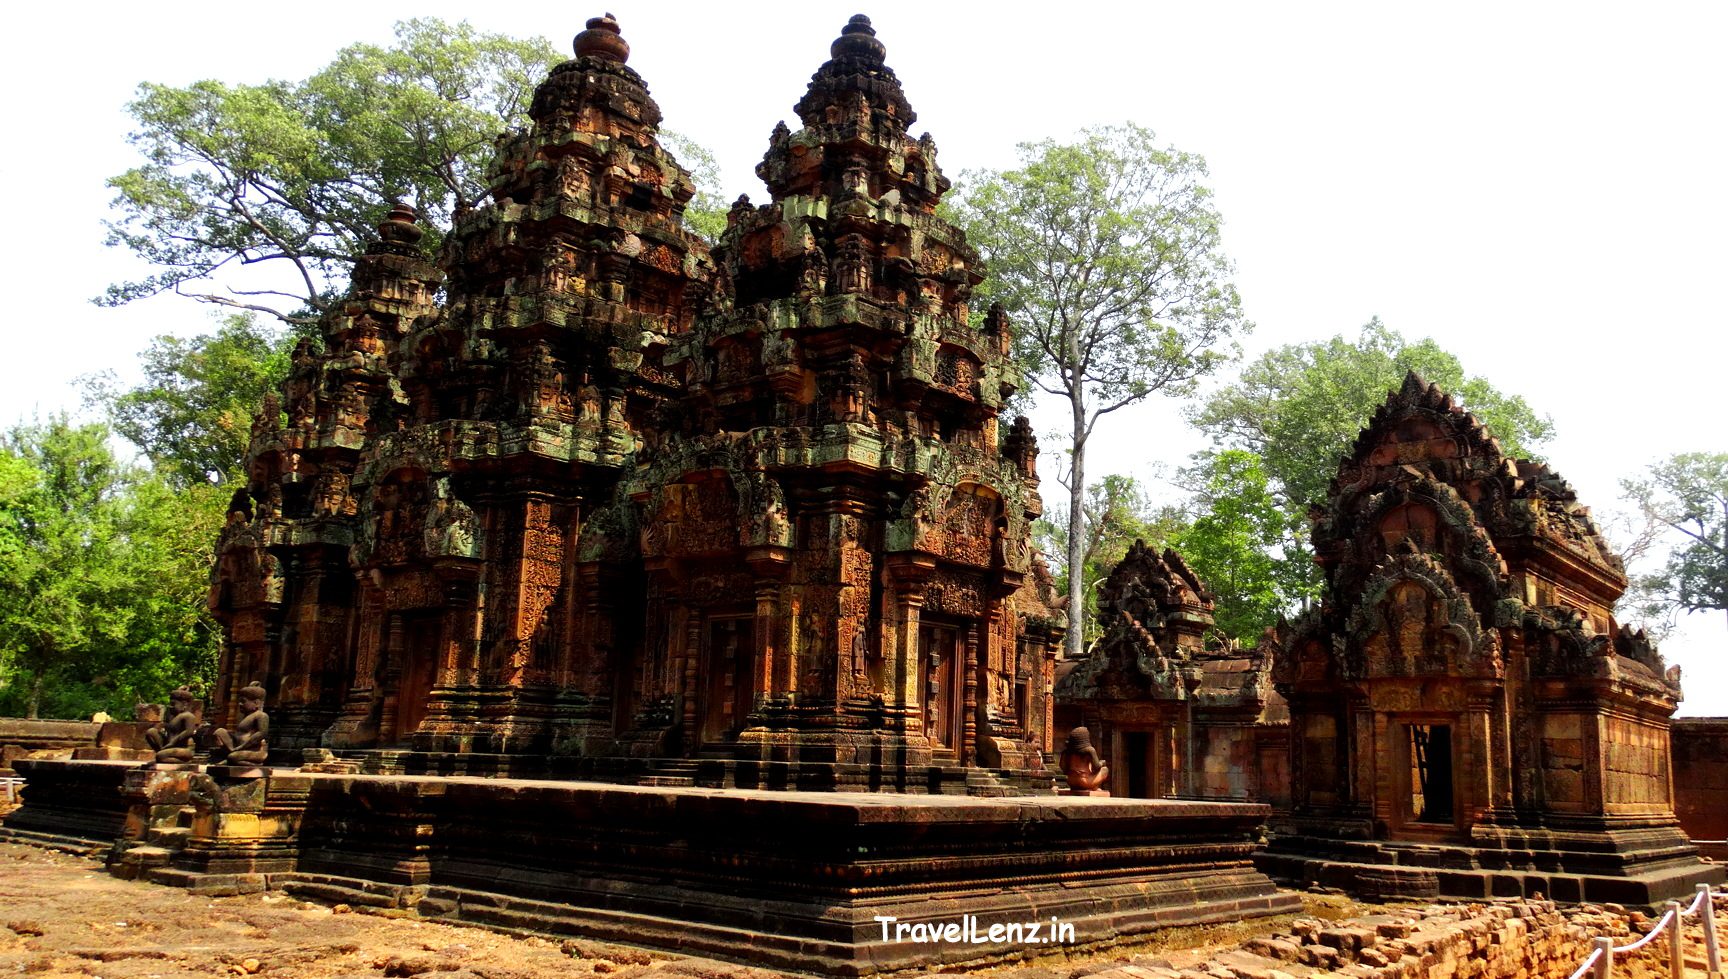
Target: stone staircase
x,y
132,860
984,784
671,772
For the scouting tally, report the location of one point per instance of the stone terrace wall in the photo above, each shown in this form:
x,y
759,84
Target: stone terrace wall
x,y
20,738
1701,779
1528,939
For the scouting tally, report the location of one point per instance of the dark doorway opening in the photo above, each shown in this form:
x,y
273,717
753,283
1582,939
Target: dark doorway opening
x,y
1139,764
1431,773
728,691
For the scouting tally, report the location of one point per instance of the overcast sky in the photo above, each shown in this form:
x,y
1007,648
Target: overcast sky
x,y
1538,186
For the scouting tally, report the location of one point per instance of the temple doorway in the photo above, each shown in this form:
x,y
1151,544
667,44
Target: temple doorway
x,y
1429,799
940,649
727,689
1138,765
422,635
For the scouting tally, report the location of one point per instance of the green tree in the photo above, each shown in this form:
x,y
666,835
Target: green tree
x,y
59,543
1299,408
1235,543
192,415
297,174
706,212
1118,512
103,575
168,535
289,179
1688,495
1107,253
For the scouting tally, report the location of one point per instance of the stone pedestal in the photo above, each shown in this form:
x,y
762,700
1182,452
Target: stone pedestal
x,y
788,880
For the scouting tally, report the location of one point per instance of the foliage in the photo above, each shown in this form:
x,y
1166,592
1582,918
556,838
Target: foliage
x,y
706,212
1688,495
1106,252
1299,409
192,416
58,549
1233,541
1118,512
102,573
298,174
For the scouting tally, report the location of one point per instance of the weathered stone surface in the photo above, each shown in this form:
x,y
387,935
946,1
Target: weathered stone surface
x,y
1466,718
616,496
22,739
1701,781
1176,709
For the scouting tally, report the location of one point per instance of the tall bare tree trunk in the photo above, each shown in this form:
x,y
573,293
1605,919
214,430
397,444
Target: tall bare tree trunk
x,y
1076,640
33,709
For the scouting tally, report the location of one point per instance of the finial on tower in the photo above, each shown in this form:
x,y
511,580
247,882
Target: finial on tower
x,y
401,226
858,40
603,40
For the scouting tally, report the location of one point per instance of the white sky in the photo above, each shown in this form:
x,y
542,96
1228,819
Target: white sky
x,y
1538,186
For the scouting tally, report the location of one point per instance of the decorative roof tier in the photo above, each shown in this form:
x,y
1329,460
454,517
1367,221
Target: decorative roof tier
x,y
611,494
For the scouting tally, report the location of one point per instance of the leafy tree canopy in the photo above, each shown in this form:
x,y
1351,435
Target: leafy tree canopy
x,y
1687,494
1297,409
293,176
1107,253
1300,407
1235,544
298,174
192,415
102,572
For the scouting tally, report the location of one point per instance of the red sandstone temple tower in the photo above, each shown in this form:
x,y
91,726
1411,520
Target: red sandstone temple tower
x,y
1466,718
615,500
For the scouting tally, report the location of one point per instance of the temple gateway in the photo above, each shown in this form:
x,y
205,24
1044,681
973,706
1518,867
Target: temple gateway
x,y
617,496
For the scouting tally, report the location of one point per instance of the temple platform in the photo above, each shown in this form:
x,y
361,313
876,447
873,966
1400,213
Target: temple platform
x,y
791,880
1638,863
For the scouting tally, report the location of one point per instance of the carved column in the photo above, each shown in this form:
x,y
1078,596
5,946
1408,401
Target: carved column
x,y
766,637
903,673
969,706
391,681
688,671
586,678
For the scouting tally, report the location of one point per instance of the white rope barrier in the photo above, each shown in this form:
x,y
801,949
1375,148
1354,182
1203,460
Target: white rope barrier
x,y
9,787
1599,964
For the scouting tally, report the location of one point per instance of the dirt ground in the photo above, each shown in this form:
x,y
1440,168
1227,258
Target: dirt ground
x,y
63,915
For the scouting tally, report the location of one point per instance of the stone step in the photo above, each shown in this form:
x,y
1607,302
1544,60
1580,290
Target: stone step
x,y
668,781
209,885
328,892
144,856
74,845
172,837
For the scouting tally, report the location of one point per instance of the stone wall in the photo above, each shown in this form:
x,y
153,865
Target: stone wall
x,y
1635,766
1701,779
1532,939
20,738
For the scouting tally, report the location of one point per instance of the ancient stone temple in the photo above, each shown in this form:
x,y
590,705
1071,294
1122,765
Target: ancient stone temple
x,y
1177,709
1466,716
615,496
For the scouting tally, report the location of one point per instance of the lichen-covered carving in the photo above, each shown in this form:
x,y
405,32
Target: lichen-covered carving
x,y
1463,641
585,483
